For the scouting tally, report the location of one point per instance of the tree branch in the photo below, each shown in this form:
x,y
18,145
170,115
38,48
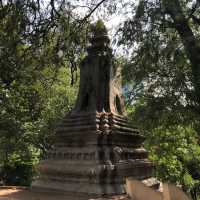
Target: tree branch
x,y
194,7
92,11
196,20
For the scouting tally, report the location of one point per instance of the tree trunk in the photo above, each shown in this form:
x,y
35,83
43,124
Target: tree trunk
x,y
191,44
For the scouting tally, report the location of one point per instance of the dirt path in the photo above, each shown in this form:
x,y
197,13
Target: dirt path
x,y
22,193
15,193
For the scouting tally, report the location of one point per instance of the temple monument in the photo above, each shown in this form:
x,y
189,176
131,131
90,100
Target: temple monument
x,y
96,147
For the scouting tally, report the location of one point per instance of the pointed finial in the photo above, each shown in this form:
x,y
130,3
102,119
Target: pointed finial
x,y
99,29
99,38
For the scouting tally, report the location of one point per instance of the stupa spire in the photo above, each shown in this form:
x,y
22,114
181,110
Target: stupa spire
x,y
100,78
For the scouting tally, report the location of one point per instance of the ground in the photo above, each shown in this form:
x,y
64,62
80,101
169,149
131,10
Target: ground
x,y
23,193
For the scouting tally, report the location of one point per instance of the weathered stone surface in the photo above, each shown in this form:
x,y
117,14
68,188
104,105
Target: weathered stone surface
x,y
100,78
96,147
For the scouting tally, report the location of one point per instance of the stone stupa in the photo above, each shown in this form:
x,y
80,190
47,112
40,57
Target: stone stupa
x,y
96,147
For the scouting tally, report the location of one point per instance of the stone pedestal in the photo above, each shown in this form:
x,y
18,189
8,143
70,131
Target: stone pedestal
x,y
96,147
93,154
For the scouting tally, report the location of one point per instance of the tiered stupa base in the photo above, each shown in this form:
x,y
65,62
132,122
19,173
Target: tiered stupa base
x,y
93,155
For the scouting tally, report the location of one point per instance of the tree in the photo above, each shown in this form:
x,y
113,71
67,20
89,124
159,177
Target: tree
x,y
166,58
35,56
188,37
162,82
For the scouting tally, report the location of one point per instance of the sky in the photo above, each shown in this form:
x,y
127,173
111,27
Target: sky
x,y
112,12
123,10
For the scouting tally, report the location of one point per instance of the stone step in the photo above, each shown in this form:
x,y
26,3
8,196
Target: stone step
x,y
119,118
78,191
96,171
82,116
85,138
79,122
66,129
121,123
98,154
115,124
124,129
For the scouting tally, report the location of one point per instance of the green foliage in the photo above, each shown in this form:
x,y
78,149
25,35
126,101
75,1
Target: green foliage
x,y
174,150
39,52
161,80
27,123
57,99
173,146
18,172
